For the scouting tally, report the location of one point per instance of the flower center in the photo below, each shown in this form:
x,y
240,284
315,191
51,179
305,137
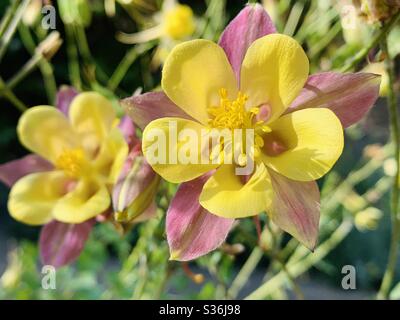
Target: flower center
x,y
73,162
234,115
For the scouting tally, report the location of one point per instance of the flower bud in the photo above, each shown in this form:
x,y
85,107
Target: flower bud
x,y
49,46
367,219
75,12
135,189
32,12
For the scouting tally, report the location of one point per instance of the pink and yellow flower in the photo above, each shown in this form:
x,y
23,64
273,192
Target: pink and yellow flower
x,y
80,170
254,79
87,152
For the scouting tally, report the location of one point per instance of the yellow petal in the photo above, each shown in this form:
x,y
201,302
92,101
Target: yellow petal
x,y
314,141
89,199
46,131
33,197
164,134
274,71
93,117
225,194
193,74
112,155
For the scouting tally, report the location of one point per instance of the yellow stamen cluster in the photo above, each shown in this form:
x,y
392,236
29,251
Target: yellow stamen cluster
x,y
234,115
73,162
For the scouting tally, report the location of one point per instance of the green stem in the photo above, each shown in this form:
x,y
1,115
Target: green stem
x,y
73,59
28,67
9,95
375,41
282,264
126,63
84,49
395,131
12,27
5,21
297,268
45,67
292,280
326,40
294,18
245,272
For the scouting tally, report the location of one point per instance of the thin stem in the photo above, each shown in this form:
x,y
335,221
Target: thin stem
x,y
12,27
9,95
45,67
23,72
126,63
73,59
245,272
274,254
326,40
294,18
84,49
296,288
5,21
395,131
298,268
375,41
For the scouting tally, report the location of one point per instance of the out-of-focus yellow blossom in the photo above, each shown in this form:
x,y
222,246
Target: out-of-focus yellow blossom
x,y
87,151
175,21
379,68
174,24
179,22
368,219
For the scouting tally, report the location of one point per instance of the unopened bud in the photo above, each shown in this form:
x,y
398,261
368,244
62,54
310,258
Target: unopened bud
x,y
32,12
368,219
49,46
75,12
135,190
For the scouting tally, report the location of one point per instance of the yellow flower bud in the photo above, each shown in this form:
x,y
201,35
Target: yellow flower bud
x,y
179,22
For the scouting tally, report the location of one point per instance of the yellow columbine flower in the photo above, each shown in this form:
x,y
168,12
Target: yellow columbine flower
x,y
87,151
302,145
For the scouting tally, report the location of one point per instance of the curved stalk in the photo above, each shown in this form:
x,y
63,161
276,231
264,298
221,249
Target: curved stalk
x,y
395,132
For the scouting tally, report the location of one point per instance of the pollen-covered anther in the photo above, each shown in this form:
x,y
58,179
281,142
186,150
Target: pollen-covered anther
x,y
231,114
